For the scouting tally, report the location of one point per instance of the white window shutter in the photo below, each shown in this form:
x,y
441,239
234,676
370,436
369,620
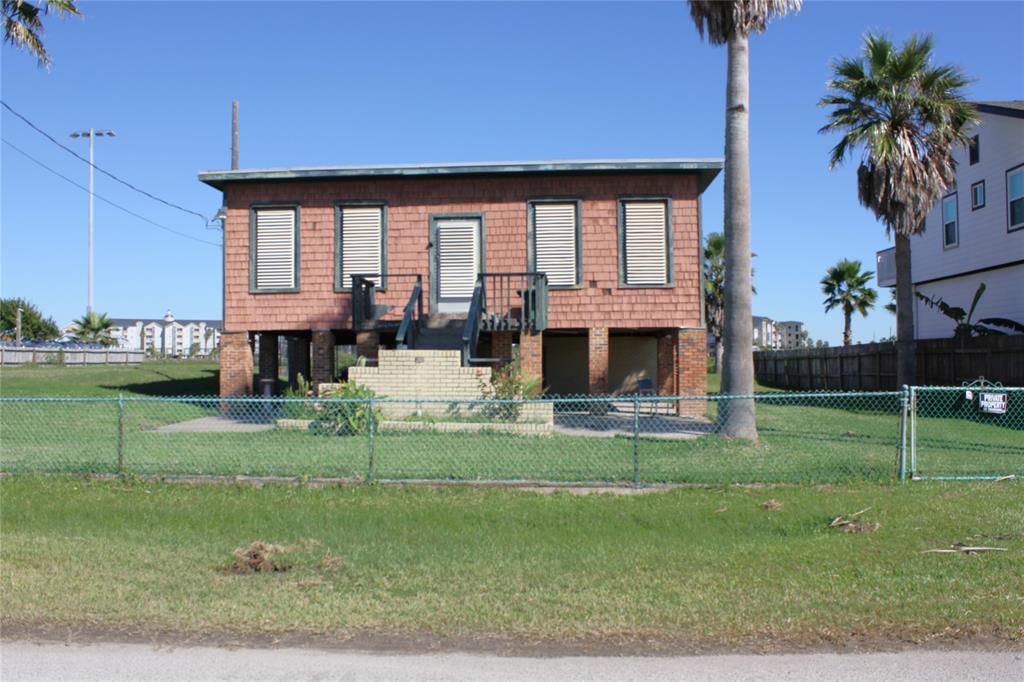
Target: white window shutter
x,y
361,242
275,248
646,243
459,258
554,238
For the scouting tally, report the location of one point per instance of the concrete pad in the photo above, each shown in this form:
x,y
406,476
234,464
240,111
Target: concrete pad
x,y
213,425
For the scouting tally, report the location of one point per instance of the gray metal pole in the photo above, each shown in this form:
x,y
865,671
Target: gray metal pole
x,y
92,137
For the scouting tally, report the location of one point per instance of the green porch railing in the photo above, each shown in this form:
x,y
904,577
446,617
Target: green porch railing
x,y
412,317
505,301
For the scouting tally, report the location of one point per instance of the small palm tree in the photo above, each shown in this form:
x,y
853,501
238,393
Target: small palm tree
x,y
907,116
846,287
964,328
23,25
93,327
731,23
714,290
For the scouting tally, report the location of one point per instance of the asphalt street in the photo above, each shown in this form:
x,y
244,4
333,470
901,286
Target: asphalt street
x,y
50,661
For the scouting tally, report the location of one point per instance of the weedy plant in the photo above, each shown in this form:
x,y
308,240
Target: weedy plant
x,y
345,418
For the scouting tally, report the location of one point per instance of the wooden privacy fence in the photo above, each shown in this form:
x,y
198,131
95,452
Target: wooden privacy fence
x,y
872,366
58,356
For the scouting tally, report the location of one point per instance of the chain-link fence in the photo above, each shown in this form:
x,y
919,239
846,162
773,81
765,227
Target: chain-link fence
x,y
803,437
975,431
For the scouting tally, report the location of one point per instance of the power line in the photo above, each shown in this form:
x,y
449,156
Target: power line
x,y
117,206
71,151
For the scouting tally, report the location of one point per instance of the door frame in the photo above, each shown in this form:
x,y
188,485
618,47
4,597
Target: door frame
x,y
433,252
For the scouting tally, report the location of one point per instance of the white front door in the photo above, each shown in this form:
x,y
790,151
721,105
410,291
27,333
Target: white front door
x,y
457,249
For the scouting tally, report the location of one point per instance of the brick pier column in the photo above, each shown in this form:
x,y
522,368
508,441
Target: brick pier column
x,y
268,363
501,346
692,369
235,364
323,358
531,353
667,342
368,345
597,360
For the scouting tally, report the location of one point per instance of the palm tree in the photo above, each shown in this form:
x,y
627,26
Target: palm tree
x,y
714,290
908,116
93,327
846,287
731,23
23,25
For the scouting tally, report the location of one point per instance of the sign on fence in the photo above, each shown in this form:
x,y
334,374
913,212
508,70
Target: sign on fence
x,y
993,403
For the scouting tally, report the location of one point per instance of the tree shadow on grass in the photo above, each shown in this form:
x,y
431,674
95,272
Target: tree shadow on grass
x,y
207,384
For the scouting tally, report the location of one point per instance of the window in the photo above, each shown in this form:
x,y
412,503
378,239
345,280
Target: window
x,y
974,150
1015,198
950,233
274,249
360,241
554,245
978,195
644,242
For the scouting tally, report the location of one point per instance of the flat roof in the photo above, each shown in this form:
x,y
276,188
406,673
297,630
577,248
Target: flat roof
x,y
707,168
1013,108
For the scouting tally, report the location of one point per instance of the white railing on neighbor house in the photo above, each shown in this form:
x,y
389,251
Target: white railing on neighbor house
x,y
59,356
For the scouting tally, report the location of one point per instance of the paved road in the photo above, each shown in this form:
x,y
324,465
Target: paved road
x,y
30,661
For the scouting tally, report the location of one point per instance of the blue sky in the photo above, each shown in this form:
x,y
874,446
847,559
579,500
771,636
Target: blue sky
x,y
323,83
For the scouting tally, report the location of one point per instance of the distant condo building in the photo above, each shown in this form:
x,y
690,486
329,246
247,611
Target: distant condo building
x,y
167,336
772,335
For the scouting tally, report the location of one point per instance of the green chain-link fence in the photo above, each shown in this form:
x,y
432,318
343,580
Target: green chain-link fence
x,y
804,437
975,431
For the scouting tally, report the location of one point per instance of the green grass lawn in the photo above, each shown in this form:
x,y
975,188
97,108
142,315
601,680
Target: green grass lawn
x,y
695,567
151,378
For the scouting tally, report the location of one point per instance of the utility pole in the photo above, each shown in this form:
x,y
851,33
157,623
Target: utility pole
x,y
234,135
17,327
92,134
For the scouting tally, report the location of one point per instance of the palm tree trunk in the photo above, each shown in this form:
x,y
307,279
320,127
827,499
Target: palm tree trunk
x,y
847,334
719,349
906,353
737,416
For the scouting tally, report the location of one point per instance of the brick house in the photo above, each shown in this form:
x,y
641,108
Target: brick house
x,y
593,268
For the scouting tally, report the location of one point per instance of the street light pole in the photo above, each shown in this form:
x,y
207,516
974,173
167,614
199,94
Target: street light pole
x,y
92,134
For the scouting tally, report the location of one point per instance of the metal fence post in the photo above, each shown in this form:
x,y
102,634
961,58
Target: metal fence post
x,y
371,429
120,433
636,441
904,405
913,431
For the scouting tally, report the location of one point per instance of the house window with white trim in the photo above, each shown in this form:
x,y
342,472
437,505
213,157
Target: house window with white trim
x,y
359,243
274,249
1015,198
950,226
644,243
978,195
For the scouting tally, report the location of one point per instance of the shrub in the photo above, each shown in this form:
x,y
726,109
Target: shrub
x,y
345,418
510,383
298,410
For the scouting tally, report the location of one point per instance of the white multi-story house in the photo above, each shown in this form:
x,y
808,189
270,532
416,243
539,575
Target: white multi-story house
x,y
975,234
168,336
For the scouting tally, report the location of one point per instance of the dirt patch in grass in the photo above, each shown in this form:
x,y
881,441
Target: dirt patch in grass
x,y
860,527
258,557
771,505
